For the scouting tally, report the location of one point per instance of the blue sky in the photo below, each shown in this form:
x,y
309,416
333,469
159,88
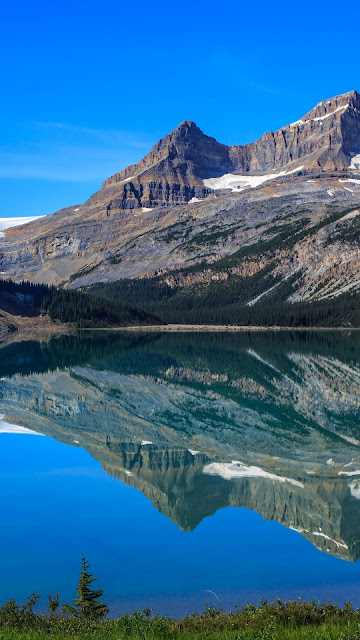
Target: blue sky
x,y
88,88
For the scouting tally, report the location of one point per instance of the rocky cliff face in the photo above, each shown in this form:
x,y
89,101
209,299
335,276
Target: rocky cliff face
x,y
223,205
173,172
327,137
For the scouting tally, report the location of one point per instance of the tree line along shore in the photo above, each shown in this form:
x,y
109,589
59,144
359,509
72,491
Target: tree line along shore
x,y
147,303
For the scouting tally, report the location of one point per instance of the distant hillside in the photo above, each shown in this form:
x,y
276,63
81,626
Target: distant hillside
x,y
81,309
227,302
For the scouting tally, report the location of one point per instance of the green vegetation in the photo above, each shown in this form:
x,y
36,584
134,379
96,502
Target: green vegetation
x,y
281,237
152,353
157,294
87,604
115,260
73,306
82,272
174,232
347,232
295,620
225,302
88,311
290,620
276,238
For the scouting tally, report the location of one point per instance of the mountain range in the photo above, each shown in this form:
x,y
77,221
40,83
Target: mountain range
x,y
282,210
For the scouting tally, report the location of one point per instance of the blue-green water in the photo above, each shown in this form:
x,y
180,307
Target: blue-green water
x,y
182,463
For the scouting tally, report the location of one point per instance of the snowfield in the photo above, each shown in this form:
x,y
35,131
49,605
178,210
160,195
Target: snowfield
x,y
235,469
6,427
355,489
355,162
321,118
6,223
238,183
194,200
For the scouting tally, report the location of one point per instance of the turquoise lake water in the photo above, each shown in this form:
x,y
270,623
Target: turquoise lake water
x,y
181,464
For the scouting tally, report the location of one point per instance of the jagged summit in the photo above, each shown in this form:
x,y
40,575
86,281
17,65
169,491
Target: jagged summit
x,y
353,94
328,107
326,138
173,171
187,124
133,227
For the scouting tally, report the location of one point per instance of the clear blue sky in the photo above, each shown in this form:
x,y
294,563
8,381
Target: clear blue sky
x,y
87,87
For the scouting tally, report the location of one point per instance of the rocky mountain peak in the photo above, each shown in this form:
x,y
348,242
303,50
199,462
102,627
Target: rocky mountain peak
x,y
187,125
186,135
173,144
173,171
354,98
331,108
326,138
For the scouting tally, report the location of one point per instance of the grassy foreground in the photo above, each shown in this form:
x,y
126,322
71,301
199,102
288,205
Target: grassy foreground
x,y
296,620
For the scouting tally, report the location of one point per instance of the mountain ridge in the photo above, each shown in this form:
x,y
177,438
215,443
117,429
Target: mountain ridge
x,y
188,156
298,224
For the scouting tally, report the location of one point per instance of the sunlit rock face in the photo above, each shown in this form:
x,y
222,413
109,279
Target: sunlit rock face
x,y
269,421
192,196
180,165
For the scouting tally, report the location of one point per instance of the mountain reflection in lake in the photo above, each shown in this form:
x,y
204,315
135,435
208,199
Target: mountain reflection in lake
x,y
195,422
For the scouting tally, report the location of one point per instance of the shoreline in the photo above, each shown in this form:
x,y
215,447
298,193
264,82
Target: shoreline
x,y
186,328
44,330
283,620
39,328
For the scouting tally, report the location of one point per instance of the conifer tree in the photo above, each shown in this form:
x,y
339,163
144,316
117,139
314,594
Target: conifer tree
x,y
53,603
87,604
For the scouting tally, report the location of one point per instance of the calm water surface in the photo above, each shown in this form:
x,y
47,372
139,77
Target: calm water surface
x,y
179,464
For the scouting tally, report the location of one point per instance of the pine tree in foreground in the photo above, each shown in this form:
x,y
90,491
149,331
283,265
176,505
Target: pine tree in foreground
x,y
87,604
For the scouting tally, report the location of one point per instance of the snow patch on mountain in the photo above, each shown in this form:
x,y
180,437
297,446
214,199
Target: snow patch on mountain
x,y
238,183
323,535
355,162
349,473
6,427
193,200
320,118
235,469
6,223
355,489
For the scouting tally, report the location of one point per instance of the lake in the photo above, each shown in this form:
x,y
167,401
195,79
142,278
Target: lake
x,y
182,464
